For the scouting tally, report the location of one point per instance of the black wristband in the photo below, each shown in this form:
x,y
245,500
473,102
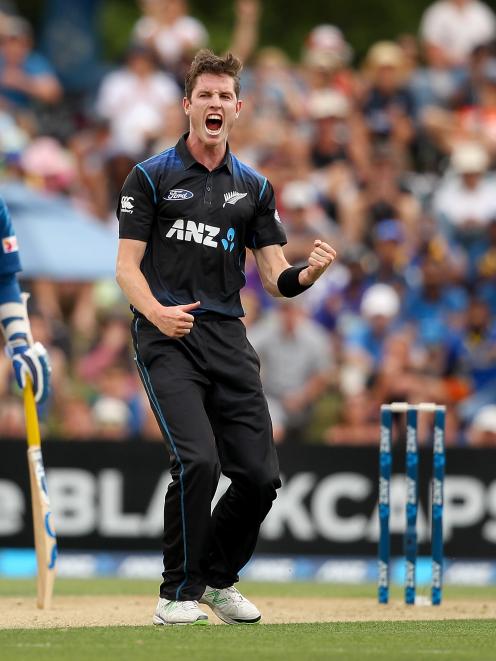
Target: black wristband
x,y
288,283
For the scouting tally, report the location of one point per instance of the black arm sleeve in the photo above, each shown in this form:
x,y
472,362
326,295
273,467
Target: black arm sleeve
x,y
266,228
136,208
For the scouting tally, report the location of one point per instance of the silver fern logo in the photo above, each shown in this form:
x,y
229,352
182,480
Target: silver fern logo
x,y
233,197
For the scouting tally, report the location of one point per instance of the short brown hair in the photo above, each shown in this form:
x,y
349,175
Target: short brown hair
x,y
206,61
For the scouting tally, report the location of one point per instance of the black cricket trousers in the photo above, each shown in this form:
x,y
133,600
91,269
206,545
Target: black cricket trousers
x,y
206,394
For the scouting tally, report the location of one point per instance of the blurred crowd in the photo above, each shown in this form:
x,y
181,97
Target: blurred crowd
x,y
392,159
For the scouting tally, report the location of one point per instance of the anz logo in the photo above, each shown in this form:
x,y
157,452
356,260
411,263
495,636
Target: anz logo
x,y
189,230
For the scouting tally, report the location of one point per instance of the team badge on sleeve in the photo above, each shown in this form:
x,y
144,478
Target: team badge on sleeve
x,y
9,244
127,204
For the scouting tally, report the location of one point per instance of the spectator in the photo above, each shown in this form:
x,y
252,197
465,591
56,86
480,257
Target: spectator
x,y
326,58
112,347
25,76
436,298
388,106
91,149
472,78
476,358
365,341
284,151
167,28
338,306
475,121
76,420
414,366
358,423
389,250
329,111
385,195
482,431
13,140
478,120
111,417
437,88
338,144
451,29
272,87
296,359
304,219
46,165
137,100
44,331
465,204
485,276
70,304
246,29
119,383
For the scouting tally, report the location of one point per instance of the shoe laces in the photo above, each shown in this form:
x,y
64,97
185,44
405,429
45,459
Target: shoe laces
x,y
190,605
235,595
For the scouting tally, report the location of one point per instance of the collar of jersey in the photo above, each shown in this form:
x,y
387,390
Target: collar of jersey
x,y
189,161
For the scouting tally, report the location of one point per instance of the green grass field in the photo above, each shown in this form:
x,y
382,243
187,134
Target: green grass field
x,y
113,586
453,640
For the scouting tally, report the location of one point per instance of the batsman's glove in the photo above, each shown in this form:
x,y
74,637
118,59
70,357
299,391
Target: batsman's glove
x,y
31,360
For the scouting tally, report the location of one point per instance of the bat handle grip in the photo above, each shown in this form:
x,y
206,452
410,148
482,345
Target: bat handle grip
x,y
31,416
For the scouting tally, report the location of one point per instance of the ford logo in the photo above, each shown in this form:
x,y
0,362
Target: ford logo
x,y
179,194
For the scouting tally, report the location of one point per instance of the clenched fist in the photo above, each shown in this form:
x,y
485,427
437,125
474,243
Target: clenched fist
x,y
321,257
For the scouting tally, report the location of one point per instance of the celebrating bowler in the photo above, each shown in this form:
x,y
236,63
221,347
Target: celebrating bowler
x,y
187,216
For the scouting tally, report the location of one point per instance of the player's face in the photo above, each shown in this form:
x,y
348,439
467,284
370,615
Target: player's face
x,y
213,108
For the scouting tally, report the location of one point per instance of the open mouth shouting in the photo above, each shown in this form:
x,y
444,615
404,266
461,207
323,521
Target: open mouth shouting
x,y
214,123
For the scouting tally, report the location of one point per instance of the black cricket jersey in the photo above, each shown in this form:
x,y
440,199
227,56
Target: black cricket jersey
x,y
197,225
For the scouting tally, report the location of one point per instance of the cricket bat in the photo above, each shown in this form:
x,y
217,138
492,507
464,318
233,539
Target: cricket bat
x,y
45,540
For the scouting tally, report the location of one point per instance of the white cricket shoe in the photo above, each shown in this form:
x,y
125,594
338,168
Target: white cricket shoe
x,y
178,612
230,606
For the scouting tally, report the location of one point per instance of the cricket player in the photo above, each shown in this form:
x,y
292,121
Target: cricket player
x,y
28,359
187,216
